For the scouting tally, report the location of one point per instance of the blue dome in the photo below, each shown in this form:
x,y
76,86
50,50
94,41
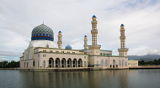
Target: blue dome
x,y
122,25
68,47
42,32
94,16
59,32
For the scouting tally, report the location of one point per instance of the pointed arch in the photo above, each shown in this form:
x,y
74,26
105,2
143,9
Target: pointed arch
x,y
51,62
114,63
63,62
33,63
80,62
69,62
57,62
75,62
44,64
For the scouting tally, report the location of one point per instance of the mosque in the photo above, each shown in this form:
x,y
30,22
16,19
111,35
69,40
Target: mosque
x,y
42,54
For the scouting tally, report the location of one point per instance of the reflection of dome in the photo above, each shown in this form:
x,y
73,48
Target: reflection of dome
x,y
68,47
42,32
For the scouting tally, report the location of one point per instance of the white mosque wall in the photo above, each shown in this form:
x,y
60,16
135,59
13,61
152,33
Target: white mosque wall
x,y
42,43
108,61
41,59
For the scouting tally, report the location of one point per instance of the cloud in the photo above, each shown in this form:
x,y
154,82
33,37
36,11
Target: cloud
x,y
144,51
11,43
72,17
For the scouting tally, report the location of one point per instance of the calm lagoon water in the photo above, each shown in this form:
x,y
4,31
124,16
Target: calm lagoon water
x,y
147,78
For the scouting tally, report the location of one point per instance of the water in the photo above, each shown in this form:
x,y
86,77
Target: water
x,y
87,79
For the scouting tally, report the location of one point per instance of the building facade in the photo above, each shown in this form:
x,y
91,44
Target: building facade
x,y
42,54
133,63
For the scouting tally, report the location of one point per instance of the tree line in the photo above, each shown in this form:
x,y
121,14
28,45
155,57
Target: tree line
x,y
153,62
9,64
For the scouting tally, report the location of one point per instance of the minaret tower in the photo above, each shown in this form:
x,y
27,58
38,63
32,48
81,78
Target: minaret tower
x,y
85,42
95,48
94,30
59,42
122,51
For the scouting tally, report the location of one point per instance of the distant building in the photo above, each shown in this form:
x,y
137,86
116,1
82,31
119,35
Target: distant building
x,y
133,63
41,54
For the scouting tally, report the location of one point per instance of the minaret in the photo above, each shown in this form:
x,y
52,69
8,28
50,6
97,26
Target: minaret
x,y
122,51
94,30
59,42
85,42
95,48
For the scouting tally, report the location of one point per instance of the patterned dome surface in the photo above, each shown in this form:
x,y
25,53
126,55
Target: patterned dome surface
x,y
42,32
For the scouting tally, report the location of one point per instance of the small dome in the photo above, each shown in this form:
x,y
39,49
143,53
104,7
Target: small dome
x,y
59,32
93,16
122,25
68,47
42,32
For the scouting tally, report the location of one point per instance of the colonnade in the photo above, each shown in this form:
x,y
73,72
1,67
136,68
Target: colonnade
x,y
64,63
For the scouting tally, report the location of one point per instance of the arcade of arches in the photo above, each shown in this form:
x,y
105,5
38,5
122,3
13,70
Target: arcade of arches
x,y
64,63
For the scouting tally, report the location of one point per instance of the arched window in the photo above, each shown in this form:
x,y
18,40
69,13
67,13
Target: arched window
x,y
33,63
27,64
63,62
80,62
110,66
116,66
57,62
75,63
69,62
44,64
51,62
114,63
106,62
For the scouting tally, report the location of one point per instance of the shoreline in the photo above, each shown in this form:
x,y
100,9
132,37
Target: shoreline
x,y
82,69
146,67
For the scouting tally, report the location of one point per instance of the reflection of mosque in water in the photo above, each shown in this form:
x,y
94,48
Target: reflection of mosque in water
x,y
111,78
86,79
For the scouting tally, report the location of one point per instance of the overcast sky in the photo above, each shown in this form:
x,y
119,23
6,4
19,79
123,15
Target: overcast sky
x,y
73,18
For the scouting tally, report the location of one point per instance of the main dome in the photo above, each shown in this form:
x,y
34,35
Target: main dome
x,y
42,32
